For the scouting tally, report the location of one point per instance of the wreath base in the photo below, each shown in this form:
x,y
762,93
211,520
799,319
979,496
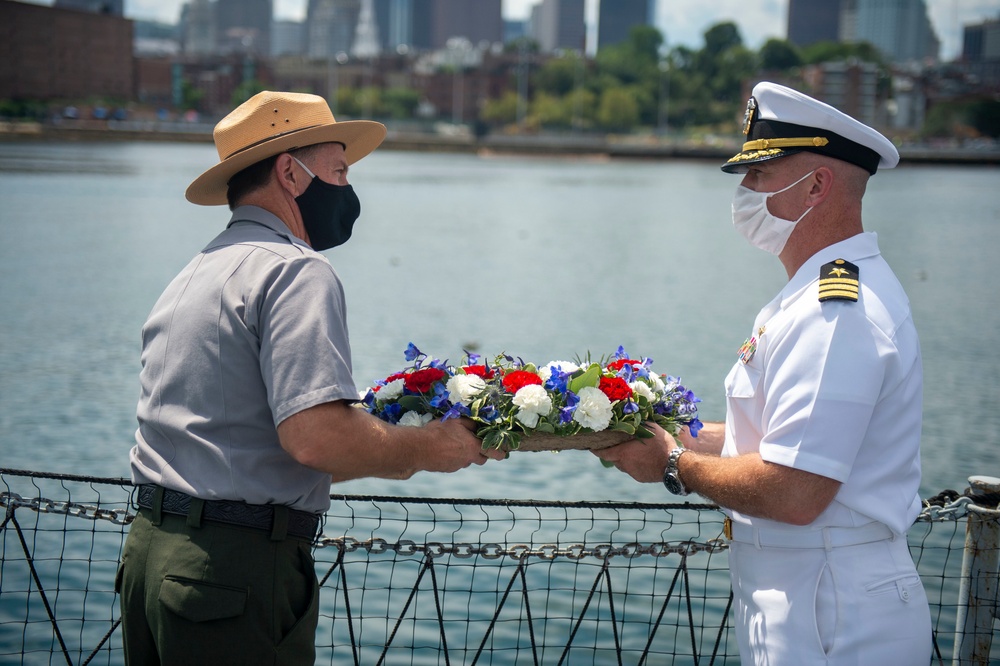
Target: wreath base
x,y
581,441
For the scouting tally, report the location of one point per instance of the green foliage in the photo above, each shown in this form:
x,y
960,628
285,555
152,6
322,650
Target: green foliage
x,y
23,109
502,110
967,118
400,103
720,38
837,51
560,75
779,55
618,110
191,97
245,91
635,59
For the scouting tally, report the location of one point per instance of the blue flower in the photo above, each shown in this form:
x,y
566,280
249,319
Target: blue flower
x,y
412,353
455,411
630,407
558,380
440,398
694,426
566,413
392,412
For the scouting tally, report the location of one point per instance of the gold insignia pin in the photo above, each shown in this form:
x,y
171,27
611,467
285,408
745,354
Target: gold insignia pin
x,y
748,115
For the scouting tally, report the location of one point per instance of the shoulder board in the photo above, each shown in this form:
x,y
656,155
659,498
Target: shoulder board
x,y
838,280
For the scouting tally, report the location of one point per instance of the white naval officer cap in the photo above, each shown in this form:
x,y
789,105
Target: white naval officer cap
x,y
780,121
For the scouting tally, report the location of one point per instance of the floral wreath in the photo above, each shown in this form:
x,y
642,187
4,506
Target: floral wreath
x,y
511,399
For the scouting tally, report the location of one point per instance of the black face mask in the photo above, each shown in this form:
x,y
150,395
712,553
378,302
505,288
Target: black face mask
x,y
328,213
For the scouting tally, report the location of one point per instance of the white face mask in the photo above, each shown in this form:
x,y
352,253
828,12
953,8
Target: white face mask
x,y
756,223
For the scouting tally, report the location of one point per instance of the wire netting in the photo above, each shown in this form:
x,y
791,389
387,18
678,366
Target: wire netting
x,y
439,581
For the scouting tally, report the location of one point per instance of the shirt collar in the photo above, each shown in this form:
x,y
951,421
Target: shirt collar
x,y
265,218
853,249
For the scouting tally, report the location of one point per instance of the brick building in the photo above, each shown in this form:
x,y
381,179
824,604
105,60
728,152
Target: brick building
x,y
49,53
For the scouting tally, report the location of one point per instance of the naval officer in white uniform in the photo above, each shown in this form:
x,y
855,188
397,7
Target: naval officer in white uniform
x,y
818,462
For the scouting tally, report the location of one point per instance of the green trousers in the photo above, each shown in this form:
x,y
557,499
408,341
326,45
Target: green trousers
x,y
195,592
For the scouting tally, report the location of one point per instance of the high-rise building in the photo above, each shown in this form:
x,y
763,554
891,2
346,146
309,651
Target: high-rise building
x,y
475,20
288,38
812,21
198,28
366,40
330,27
110,7
243,26
981,41
616,18
900,29
398,31
559,24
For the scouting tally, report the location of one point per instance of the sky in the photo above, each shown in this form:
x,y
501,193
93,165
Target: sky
x,y
683,22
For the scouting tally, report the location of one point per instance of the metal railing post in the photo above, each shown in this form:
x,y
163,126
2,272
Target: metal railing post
x,y
977,597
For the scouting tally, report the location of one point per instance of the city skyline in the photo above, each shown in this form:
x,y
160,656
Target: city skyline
x,y
683,22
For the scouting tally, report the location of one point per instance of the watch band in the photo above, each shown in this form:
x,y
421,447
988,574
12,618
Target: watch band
x,y
672,476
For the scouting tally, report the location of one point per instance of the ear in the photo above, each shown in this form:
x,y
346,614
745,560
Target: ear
x,y
285,175
822,184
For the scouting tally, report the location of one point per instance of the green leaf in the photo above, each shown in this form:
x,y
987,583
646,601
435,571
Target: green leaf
x,y
590,377
643,433
624,427
607,463
544,426
411,403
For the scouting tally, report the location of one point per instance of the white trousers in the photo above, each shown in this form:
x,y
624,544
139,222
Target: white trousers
x,y
860,605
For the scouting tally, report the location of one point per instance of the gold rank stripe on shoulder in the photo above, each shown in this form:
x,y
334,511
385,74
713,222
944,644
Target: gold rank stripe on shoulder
x,y
839,280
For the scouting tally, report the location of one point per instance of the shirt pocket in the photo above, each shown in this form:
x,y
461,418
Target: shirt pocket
x,y
742,381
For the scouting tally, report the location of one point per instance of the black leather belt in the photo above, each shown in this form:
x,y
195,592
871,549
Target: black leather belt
x,y
301,524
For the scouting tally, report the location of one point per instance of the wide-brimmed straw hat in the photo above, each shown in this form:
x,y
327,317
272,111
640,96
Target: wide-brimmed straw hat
x,y
270,123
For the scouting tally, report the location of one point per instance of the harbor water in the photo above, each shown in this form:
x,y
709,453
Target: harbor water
x,y
539,258
542,258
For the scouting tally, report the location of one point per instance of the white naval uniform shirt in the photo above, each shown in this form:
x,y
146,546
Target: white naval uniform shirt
x,y
834,388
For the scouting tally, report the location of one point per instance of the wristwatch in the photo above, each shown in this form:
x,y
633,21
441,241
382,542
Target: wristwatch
x,y
672,476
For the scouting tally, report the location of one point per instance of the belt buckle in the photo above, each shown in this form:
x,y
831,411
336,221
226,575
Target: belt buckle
x,y
727,528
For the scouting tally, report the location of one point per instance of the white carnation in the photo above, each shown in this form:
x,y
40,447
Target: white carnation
x,y
657,382
532,402
594,409
391,391
414,419
545,372
642,388
464,388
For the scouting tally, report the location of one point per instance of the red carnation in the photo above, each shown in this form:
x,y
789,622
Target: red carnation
x,y
421,381
615,388
515,380
389,380
478,370
620,363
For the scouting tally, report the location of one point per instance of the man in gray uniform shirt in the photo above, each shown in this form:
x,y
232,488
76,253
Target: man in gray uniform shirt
x,y
245,413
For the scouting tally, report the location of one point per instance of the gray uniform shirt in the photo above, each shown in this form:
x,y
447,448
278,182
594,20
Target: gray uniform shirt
x,y
253,330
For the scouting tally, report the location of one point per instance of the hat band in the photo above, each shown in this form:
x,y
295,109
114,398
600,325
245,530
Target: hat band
x,y
265,140
764,144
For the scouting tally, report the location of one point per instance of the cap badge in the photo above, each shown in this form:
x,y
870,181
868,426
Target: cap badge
x,y
748,116
839,280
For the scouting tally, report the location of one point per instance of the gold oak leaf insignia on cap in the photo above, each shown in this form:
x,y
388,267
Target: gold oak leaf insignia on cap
x,y
838,280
